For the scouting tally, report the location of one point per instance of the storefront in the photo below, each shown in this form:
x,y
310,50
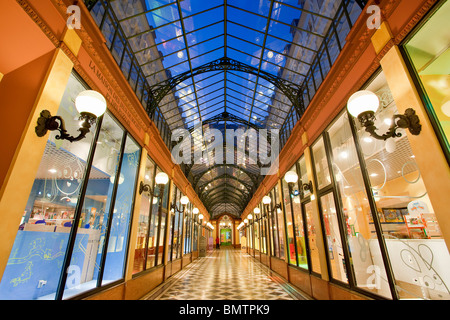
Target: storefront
x,y
427,51
78,214
364,212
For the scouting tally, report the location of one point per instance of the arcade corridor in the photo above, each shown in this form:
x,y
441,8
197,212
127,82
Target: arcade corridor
x,y
226,274
311,138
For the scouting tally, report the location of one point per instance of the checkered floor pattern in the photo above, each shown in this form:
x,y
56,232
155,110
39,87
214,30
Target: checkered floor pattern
x,y
226,274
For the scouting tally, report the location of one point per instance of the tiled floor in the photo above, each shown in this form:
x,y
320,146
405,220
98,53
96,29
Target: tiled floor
x,y
225,274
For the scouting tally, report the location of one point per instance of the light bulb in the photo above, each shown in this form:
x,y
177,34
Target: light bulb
x,y
161,178
291,177
362,101
267,200
92,102
184,200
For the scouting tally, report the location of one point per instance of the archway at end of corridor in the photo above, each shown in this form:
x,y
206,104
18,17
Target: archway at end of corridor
x,y
225,231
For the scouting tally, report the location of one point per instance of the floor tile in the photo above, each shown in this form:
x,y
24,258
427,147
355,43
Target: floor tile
x,y
225,274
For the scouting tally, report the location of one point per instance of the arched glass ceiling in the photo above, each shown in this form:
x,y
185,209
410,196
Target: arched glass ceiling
x,y
296,41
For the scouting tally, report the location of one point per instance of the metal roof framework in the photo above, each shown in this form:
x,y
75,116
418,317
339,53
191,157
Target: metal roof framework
x,y
225,64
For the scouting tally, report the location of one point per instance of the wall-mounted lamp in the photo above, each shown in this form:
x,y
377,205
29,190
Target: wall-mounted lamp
x,y
200,216
90,104
195,211
267,200
291,178
161,180
363,105
250,217
256,210
184,201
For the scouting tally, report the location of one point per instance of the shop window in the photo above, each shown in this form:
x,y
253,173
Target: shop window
x,y
144,219
195,237
294,224
158,215
287,201
121,213
175,226
272,215
417,251
312,233
429,51
69,220
334,246
257,232
34,266
263,229
355,209
280,226
98,208
321,164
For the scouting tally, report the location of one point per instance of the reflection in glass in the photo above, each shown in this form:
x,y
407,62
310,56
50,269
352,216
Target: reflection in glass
x,y
321,164
123,206
416,248
361,236
429,51
292,258
33,269
333,238
280,223
313,233
96,208
144,219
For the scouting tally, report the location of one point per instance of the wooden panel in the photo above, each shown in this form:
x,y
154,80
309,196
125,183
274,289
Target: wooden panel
x,y
279,266
140,286
339,293
114,293
319,288
300,279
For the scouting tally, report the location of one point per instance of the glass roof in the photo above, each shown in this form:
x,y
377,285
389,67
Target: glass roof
x,y
284,39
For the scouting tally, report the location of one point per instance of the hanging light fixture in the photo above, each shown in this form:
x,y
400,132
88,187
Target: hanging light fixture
x,y
90,104
363,106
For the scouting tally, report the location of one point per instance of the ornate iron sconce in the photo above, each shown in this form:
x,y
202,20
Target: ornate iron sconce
x,y
90,104
363,105
291,178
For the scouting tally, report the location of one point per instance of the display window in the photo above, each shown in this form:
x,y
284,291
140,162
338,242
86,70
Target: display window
x,y
195,226
78,214
417,251
272,216
144,219
291,258
355,213
176,225
256,227
295,227
312,235
261,219
188,229
428,51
